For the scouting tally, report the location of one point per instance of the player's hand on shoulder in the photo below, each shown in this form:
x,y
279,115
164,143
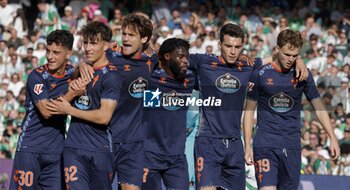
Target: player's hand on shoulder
x,y
115,46
78,86
302,73
247,59
85,69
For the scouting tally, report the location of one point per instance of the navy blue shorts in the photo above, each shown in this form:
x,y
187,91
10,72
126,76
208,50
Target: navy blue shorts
x,y
172,169
86,169
129,163
37,171
277,167
219,163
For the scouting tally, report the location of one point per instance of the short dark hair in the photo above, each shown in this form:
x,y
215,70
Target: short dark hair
x,y
170,45
92,30
290,37
138,24
232,30
61,38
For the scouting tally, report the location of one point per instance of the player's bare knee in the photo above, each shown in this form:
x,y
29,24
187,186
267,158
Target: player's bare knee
x,y
268,188
208,188
130,187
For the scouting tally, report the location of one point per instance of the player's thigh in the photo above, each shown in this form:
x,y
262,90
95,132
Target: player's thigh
x,y
152,180
266,164
176,176
25,171
233,168
101,170
51,175
290,172
129,165
207,162
76,169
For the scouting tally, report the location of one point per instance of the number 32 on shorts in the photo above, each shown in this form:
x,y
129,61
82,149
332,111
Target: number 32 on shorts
x,y
69,173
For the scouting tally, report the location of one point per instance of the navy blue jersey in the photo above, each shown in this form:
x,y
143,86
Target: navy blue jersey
x,y
278,97
225,82
136,74
166,125
40,135
82,134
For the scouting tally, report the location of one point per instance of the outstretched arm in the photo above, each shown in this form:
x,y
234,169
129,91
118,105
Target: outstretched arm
x,y
248,123
323,116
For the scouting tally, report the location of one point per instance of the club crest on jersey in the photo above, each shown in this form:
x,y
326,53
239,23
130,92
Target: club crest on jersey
x,y
169,100
228,83
137,87
281,102
38,89
83,102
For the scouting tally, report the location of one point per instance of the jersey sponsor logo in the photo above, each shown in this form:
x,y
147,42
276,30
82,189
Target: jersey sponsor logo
x,y
151,98
281,102
137,87
83,102
228,83
38,89
170,100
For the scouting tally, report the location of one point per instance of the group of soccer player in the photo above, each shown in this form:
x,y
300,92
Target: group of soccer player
x,y
112,136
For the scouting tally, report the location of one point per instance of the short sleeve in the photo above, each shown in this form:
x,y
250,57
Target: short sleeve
x,y
257,63
194,62
253,87
36,87
310,89
112,85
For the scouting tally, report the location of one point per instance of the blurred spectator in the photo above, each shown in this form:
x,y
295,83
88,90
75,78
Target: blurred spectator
x,y
340,113
20,23
10,106
69,22
160,10
212,41
48,19
185,14
77,6
116,26
14,66
311,27
6,13
322,165
343,45
40,51
14,40
22,51
16,84
165,34
99,17
346,139
83,19
197,46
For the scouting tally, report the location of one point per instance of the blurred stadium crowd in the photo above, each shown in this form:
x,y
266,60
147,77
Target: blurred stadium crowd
x,y
325,26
